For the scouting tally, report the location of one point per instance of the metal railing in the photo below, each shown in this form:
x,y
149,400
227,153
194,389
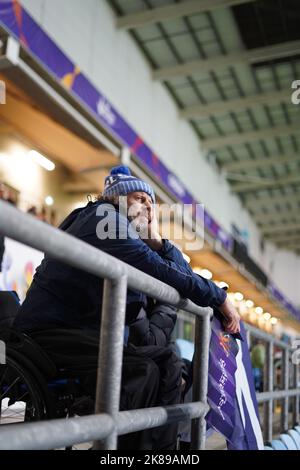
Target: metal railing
x,y
104,427
287,395
108,422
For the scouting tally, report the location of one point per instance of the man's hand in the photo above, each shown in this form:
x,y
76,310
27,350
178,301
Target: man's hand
x,y
232,318
154,240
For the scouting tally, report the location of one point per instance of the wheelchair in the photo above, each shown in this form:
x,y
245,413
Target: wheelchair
x,y
32,388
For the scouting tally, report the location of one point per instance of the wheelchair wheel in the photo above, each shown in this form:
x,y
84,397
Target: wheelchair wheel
x,y
20,396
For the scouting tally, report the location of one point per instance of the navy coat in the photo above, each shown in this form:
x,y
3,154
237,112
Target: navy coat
x,y
62,296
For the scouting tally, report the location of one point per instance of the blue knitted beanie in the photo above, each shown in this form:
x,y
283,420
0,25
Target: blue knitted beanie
x,y
121,182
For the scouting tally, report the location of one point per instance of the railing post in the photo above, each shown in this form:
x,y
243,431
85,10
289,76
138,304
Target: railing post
x,y
285,382
268,407
296,397
111,354
200,377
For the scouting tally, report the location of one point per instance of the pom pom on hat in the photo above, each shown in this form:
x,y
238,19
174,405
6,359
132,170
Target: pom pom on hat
x,y
120,170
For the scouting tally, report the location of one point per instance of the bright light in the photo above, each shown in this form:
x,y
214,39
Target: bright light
x,y
206,274
242,307
197,270
267,316
186,257
259,310
41,160
203,272
249,303
273,320
49,201
238,296
223,284
252,317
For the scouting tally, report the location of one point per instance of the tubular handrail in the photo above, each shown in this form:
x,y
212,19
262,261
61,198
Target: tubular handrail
x,y
267,337
117,277
26,229
57,433
108,422
267,397
277,394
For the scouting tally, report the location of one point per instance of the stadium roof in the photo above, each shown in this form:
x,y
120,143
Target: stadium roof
x,y
229,65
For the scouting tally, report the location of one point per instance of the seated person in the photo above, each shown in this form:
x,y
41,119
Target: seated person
x,y
62,297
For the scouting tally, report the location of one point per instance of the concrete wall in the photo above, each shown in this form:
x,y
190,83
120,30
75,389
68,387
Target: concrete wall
x,y
284,269
86,31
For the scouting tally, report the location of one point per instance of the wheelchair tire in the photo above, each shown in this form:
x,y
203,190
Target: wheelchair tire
x,y
21,399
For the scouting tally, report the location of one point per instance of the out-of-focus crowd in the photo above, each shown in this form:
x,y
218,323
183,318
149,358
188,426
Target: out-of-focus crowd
x,y
43,213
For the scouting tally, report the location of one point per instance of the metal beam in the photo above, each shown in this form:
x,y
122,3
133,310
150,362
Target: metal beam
x,y
283,181
270,200
215,143
173,11
265,218
260,54
281,228
264,162
224,107
283,238
269,216
278,223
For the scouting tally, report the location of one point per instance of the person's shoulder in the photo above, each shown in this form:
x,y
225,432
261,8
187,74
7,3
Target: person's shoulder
x,y
110,211
112,223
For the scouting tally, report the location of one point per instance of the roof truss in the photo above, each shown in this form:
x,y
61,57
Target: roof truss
x,y
170,12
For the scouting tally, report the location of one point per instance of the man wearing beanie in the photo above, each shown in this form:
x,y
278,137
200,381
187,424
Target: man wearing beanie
x,y
65,302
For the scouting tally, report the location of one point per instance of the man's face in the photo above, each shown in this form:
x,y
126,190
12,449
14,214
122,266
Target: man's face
x,y
140,208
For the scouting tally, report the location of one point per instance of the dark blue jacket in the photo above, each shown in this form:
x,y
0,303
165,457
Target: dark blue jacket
x,y
153,326
61,296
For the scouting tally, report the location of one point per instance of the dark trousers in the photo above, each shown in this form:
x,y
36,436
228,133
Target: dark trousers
x,y
151,376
